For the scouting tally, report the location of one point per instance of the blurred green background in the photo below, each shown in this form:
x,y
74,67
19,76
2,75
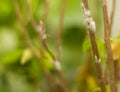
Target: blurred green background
x,y
78,71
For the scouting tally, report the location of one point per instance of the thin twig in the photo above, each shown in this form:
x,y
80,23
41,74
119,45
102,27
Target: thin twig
x,y
60,28
116,71
58,46
112,14
30,45
46,11
111,68
40,29
92,28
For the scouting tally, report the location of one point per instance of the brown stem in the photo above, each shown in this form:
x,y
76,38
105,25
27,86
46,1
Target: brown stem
x,y
100,77
46,11
58,45
30,45
39,28
94,46
41,32
112,14
116,72
111,68
60,28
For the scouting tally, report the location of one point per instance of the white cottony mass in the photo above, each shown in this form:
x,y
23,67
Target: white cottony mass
x,y
88,19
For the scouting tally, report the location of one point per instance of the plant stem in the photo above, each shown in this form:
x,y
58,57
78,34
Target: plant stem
x,y
41,33
111,68
91,28
31,46
112,14
60,28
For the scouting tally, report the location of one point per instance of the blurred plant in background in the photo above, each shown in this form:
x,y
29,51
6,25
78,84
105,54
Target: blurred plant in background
x,y
20,71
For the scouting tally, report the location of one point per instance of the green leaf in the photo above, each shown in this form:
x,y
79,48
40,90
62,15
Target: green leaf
x,y
108,88
26,56
96,89
115,39
35,69
100,44
48,60
12,57
101,48
86,46
48,64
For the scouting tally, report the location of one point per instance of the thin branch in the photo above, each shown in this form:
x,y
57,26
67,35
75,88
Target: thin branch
x,y
112,14
40,29
92,28
111,68
26,34
30,45
60,28
58,46
46,11
116,71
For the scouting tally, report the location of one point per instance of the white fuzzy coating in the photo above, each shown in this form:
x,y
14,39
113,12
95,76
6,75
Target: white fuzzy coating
x,y
44,37
90,24
88,19
97,60
87,14
57,65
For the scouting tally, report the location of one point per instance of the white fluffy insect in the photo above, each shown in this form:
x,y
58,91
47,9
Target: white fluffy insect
x,y
57,64
97,60
88,19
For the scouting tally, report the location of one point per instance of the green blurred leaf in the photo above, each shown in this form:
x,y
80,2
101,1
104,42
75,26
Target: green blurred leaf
x,y
26,56
48,60
96,89
12,57
2,90
100,44
48,64
108,88
101,48
86,46
35,68
6,11
115,39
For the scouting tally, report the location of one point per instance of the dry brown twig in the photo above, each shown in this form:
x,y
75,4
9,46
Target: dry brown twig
x,y
112,14
58,44
46,11
40,29
111,25
31,46
92,28
59,35
111,68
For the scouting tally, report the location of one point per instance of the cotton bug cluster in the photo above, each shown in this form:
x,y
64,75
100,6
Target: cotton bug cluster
x,y
88,19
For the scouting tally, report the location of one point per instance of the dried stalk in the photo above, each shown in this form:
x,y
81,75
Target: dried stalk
x,y
39,29
60,28
42,37
46,11
111,68
111,25
92,28
112,14
31,46
58,45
